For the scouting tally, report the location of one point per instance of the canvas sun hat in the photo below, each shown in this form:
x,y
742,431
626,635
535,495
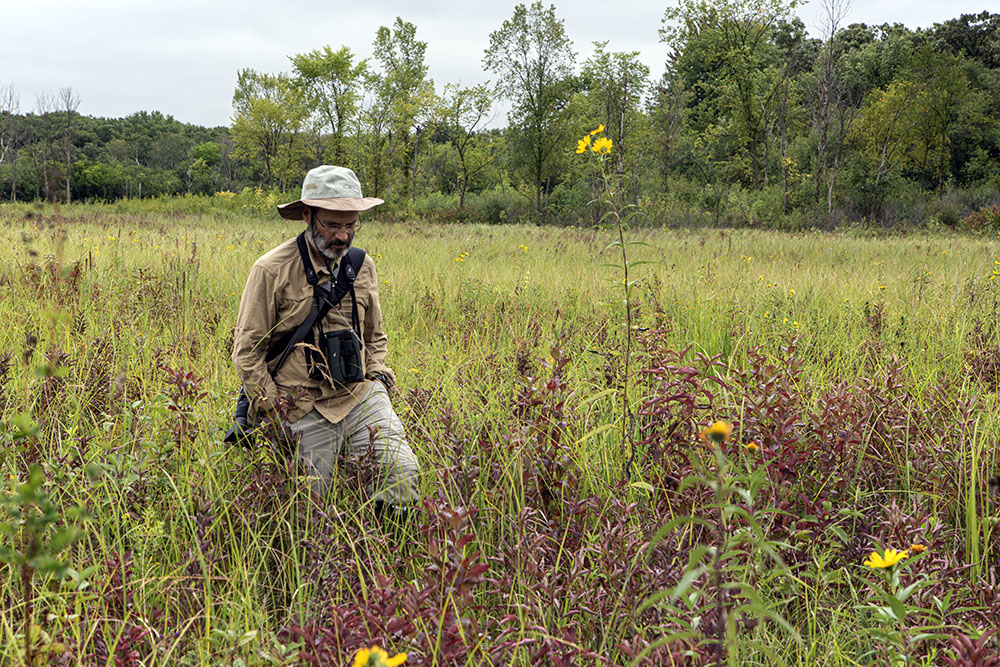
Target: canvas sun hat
x,y
332,188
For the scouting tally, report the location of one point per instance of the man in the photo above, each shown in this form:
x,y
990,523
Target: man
x,y
325,414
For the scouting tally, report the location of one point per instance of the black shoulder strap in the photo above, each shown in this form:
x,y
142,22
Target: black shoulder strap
x,y
324,298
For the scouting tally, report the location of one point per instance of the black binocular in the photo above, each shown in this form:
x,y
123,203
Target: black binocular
x,y
343,356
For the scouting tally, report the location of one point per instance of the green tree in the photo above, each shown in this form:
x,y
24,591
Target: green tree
x,y
947,103
908,124
462,110
10,132
98,180
830,104
534,60
203,167
667,115
68,103
732,67
407,97
169,150
268,115
44,142
616,84
975,36
332,80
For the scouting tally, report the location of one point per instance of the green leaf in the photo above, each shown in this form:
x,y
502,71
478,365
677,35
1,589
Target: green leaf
x,y
598,395
898,608
595,431
686,580
906,592
645,486
674,524
25,427
663,641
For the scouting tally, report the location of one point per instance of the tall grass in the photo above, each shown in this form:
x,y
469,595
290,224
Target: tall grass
x,y
865,369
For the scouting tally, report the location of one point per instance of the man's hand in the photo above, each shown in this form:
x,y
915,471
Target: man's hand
x,y
384,379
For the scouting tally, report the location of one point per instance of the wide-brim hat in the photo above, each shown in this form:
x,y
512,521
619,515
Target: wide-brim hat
x,y
332,188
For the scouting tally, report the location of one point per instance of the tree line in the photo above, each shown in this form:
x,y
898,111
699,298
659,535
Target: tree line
x,y
752,121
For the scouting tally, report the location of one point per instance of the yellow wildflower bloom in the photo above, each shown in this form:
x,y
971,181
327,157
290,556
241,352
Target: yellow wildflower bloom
x,y
717,433
888,559
751,446
917,548
583,144
602,146
376,657
599,129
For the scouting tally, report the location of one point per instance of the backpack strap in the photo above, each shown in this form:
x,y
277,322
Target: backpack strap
x,y
324,297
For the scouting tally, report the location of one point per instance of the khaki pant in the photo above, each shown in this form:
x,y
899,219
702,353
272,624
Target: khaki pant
x,y
320,443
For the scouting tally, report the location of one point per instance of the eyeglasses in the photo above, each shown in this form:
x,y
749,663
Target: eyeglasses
x,y
337,228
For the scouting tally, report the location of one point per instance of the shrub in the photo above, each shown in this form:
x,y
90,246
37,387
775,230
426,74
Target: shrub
x,y
986,219
498,205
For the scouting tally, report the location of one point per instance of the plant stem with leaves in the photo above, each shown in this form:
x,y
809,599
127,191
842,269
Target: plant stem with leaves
x,y
602,148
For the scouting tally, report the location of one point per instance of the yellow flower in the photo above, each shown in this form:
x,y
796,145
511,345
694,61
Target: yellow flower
x,y
888,559
751,446
376,657
602,146
717,433
583,144
600,128
917,548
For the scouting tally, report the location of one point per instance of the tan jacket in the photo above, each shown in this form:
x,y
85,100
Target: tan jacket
x,y
276,299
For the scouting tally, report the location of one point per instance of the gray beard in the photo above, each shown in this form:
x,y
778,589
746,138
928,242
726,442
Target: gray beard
x,y
323,246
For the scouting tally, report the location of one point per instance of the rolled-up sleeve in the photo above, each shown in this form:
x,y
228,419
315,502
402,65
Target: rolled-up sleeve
x,y
254,325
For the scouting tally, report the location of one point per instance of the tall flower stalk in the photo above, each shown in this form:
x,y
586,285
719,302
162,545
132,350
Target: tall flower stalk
x,y
593,144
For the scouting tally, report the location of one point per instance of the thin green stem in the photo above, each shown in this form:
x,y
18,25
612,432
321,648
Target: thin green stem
x,y
626,413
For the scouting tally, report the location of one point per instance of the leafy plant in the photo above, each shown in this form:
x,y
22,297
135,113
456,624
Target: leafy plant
x,y
37,533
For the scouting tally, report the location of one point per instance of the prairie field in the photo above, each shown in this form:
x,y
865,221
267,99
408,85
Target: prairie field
x,y
859,376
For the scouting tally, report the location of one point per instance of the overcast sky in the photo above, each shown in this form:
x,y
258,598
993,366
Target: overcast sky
x,y
181,57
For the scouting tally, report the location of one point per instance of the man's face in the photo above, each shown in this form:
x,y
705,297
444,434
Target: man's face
x,y
331,231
